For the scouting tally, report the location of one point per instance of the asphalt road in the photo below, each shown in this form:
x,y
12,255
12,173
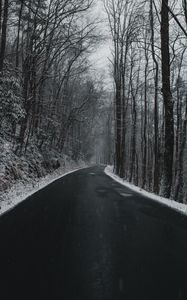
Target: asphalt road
x,y
85,237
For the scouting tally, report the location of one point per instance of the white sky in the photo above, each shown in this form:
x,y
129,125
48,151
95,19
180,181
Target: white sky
x,y
99,58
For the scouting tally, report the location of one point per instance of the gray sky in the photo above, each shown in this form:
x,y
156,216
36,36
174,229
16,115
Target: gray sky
x,y
99,58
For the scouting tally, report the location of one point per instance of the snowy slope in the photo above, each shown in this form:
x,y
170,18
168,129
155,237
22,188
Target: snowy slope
x,y
20,191
182,208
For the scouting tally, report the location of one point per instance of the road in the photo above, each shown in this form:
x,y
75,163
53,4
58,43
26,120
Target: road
x,y
86,237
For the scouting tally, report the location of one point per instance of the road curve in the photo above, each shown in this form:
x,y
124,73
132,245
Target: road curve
x,y
86,237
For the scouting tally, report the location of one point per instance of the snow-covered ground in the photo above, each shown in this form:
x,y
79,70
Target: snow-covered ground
x,y
182,208
21,190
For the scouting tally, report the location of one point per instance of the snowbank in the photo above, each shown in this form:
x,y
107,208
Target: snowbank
x,y
182,208
21,190
24,174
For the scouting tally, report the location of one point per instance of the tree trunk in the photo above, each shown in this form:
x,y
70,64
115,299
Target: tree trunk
x,y
4,34
179,192
1,5
156,171
144,163
18,34
168,104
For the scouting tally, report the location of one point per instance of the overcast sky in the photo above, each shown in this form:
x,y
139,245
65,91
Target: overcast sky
x,y
99,58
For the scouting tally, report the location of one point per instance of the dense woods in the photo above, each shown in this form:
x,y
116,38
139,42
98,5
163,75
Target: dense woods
x,y
149,65
48,95
54,104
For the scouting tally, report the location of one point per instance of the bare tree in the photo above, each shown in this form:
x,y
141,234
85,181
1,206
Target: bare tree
x,y
3,32
168,103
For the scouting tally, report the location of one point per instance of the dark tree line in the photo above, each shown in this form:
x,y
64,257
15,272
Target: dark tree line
x,y
48,96
149,59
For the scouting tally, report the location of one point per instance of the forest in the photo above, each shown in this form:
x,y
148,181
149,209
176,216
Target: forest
x,y
150,101
49,97
55,107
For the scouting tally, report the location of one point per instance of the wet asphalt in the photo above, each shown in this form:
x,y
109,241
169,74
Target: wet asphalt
x,y
86,237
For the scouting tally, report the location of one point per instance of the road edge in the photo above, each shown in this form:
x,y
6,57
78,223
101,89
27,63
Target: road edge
x,y
179,207
36,190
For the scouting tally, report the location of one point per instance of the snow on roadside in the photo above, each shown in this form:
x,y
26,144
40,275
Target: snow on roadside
x,y
181,207
20,191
